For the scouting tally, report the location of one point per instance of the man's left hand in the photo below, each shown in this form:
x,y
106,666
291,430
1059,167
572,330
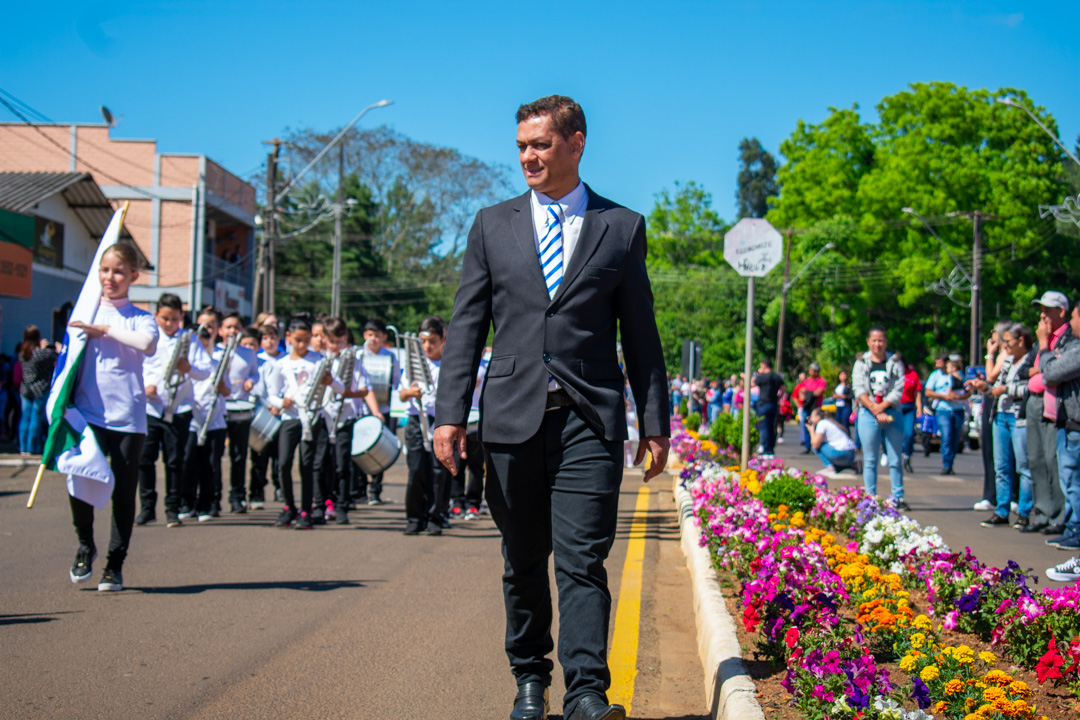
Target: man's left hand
x,y
658,448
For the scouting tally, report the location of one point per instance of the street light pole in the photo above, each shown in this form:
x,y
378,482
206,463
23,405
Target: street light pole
x,y
339,210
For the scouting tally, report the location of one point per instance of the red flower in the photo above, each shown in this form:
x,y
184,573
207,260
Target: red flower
x,y
1049,664
751,620
791,637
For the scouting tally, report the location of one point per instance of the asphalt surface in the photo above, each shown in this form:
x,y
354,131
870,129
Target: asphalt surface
x,y
946,501
237,619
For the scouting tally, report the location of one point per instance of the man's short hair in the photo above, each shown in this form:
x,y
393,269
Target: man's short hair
x,y
567,117
877,328
170,301
766,362
375,325
252,332
434,325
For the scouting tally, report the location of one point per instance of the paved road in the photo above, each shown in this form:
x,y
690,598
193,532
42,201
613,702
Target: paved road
x,y
946,501
236,619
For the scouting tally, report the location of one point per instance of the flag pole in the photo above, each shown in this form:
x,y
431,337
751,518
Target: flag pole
x,y
41,468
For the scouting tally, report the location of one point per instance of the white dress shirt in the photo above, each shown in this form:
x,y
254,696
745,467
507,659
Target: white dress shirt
x,y
572,208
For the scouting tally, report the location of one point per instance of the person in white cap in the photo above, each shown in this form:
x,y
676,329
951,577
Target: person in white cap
x,y
1049,510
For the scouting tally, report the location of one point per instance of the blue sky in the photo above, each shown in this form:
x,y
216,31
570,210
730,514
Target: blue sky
x,y
668,88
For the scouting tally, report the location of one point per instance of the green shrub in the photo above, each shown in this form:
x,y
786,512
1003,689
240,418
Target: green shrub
x,y
684,409
787,490
692,421
727,430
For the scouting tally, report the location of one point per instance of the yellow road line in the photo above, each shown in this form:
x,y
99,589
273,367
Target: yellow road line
x,y
622,660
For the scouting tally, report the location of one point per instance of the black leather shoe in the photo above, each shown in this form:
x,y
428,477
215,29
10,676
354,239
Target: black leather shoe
x,y
1053,529
531,702
592,707
1033,528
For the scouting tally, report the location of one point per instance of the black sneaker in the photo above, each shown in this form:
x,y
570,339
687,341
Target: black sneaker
x,y
948,471
215,510
1021,523
995,520
82,568
1033,528
1053,529
279,496
1069,541
902,506
147,515
375,499
433,529
237,507
285,519
413,528
111,581
172,519
304,522
318,516
342,516
186,512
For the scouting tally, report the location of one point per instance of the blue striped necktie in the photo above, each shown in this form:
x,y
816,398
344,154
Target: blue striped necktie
x,y
551,261
551,250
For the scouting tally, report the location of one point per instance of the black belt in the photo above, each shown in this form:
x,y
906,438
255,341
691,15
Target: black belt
x,y
558,399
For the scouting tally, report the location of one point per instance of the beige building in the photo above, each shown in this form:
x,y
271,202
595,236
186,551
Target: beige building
x,y
193,220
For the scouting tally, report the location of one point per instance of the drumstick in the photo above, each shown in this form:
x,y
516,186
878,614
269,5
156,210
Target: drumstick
x,y
37,484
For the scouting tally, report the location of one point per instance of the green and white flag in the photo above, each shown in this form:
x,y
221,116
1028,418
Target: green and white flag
x,y
71,447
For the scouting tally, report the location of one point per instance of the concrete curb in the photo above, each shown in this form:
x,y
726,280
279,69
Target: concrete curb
x,y
729,691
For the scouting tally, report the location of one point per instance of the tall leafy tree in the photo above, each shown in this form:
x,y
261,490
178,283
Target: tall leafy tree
x,y
684,229
757,179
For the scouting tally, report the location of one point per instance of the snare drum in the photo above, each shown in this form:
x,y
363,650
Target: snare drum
x,y
239,410
374,447
264,428
380,370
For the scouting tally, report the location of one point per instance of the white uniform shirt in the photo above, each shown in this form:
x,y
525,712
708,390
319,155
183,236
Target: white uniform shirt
x,y
294,381
204,392
351,409
244,366
395,374
154,369
109,391
268,377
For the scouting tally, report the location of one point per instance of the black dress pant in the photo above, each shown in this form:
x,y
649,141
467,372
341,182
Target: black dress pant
x,y
344,467
325,472
467,487
202,470
428,488
238,433
289,438
123,450
260,463
986,445
167,439
557,492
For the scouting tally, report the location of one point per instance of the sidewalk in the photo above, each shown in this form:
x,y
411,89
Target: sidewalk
x,y
946,501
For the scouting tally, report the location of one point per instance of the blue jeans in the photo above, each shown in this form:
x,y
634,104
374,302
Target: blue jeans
x,y
803,417
1068,457
33,414
1010,458
908,409
950,425
767,426
839,459
714,412
871,433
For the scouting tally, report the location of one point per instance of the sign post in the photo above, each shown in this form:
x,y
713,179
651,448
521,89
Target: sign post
x,y
753,247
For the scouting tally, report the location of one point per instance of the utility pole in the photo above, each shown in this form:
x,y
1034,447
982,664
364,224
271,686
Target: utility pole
x,y
783,299
339,210
263,295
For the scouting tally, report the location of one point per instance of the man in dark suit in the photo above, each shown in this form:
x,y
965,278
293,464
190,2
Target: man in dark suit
x,y
558,271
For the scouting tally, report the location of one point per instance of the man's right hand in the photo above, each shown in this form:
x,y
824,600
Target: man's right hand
x,y
448,440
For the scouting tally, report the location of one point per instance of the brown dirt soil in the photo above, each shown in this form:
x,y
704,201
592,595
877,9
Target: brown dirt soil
x,y
1057,703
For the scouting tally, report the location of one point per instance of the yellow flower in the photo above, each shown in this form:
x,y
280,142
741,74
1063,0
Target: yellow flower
x,y
998,677
870,594
907,663
929,673
753,487
918,640
972,716
922,622
1019,688
940,706
988,657
970,703
954,686
992,694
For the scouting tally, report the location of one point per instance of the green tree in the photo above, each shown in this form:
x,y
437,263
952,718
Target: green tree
x,y
757,179
684,229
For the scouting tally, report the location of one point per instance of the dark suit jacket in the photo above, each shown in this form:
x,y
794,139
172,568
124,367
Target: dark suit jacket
x,y
571,336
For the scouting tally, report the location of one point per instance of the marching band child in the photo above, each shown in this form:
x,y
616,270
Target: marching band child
x,y
268,358
340,416
374,345
428,479
243,374
111,396
168,438
297,373
202,463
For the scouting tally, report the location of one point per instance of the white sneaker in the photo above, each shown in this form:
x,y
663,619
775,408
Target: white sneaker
x,y
779,441
1015,508
983,506
206,517
256,505
1068,571
884,462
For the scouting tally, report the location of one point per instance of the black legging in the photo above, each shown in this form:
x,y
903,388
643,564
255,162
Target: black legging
x,y
124,450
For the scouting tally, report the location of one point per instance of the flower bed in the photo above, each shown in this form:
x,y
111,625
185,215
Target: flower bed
x,y
870,615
